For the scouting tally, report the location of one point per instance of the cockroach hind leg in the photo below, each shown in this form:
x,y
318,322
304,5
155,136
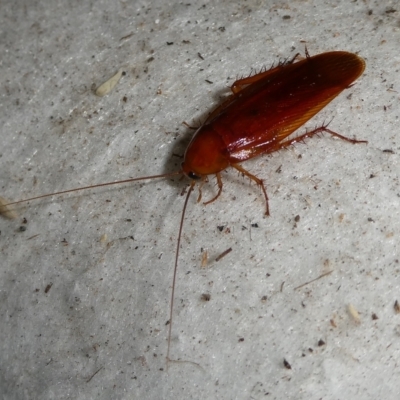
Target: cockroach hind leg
x,y
325,129
309,134
220,184
258,181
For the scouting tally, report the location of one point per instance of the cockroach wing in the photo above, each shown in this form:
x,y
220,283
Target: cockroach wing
x,y
260,116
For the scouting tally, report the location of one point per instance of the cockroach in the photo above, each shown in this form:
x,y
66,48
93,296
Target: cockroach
x,y
257,119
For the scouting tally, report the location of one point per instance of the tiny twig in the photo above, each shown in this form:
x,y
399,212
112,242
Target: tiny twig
x,y
313,280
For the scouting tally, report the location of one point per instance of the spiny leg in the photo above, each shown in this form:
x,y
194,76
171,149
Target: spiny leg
x,y
204,179
287,143
219,182
256,180
354,141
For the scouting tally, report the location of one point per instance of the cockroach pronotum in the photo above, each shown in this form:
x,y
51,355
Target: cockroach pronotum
x,y
258,117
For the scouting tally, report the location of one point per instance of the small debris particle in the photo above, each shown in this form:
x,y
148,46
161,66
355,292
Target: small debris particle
x,y
205,297
204,259
321,342
354,313
6,210
48,287
223,254
94,374
241,339
374,317
396,307
127,36
286,364
297,218
264,299
321,276
108,85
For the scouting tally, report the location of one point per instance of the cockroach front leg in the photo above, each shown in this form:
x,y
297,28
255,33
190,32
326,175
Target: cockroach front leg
x,y
256,180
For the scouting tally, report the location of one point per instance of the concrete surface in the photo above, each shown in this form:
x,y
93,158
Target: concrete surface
x,y
85,283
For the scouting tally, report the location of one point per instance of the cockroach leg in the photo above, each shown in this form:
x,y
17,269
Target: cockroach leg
x,y
354,141
309,134
256,180
203,181
219,182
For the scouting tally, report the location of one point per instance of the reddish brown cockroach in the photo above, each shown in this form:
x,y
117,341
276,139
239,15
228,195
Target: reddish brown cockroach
x,y
263,110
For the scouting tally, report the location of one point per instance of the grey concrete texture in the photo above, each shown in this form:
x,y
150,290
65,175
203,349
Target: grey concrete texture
x,y
85,278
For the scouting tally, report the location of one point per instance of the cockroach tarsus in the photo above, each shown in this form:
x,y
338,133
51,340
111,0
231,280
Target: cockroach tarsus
x,y
256,119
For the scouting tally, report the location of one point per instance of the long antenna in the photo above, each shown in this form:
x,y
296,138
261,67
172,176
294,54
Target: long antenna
x,y
3,207
192,183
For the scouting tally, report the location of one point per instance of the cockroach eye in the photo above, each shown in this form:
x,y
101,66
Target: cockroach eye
x,y
192,175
